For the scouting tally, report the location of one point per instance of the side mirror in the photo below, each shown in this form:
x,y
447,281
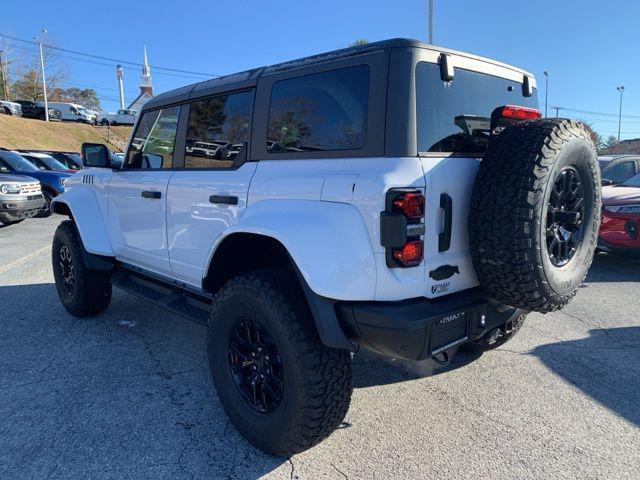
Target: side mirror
x,y
95,155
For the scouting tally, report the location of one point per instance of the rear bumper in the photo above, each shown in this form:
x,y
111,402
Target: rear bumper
x,y
17,209
420,328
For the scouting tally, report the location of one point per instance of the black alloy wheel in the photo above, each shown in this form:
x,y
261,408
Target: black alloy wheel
x,y
66,270
565,215
256,366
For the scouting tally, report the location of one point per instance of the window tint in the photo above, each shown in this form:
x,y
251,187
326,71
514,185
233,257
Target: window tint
x,y
152,144
17,162
620,172
455,116
217,131
323,111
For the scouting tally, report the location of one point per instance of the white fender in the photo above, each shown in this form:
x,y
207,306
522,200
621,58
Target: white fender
x,y
88,218
328,242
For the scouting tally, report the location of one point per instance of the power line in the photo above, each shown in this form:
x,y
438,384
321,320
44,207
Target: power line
x,y
109,59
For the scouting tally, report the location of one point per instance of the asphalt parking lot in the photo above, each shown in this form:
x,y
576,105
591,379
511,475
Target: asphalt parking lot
x,y
127,394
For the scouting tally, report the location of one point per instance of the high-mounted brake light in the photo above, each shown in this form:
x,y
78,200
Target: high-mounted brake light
x,y
410,254
410,204
520,113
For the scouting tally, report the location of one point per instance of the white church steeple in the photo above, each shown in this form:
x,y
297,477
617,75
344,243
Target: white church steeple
x,y
145,78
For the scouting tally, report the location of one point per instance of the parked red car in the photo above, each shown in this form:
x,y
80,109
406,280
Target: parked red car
x,y
620,226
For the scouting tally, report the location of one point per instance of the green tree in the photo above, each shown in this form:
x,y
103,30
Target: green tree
x,y
360,41
595,136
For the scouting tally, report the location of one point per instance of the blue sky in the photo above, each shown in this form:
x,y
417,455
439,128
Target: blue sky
x,y
588,46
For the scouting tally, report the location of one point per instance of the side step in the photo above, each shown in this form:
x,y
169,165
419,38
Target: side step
x,y
191,305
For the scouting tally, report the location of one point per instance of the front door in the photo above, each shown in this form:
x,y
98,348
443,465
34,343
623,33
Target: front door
x,y
137,208
206,197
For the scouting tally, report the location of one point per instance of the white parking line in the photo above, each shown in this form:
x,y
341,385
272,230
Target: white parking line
x,y
24,259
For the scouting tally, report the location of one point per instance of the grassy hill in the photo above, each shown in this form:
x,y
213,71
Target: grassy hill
x,y
23,133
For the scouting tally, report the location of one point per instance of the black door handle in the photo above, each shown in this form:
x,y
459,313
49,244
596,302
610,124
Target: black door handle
x,y
148,194
444,238
226,199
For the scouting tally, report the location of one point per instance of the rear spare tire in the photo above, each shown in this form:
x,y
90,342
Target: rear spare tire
x,y
535,213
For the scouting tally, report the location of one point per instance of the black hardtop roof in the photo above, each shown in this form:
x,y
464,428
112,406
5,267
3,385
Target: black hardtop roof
x,y
249,78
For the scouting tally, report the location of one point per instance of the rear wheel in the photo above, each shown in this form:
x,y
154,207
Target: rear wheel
x,y
280,386
82,291
535,213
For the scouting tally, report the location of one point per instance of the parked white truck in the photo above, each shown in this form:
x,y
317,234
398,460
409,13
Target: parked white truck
x,y
394,196
121,117
71,112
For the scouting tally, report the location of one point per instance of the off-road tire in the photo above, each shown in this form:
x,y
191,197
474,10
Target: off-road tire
x,y
497,337
317,379
510,207
45,211
92,290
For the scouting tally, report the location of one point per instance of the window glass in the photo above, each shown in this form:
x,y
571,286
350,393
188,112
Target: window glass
x,y
17,162
632,182
455,116
323,111
217,131
620,172
153,142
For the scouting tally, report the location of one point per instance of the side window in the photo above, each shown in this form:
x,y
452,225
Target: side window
x,y
621,172
218,130
152,144
319,112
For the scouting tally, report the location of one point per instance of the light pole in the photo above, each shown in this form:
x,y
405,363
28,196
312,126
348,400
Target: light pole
x,y
44,80
620,89
430,22
546,92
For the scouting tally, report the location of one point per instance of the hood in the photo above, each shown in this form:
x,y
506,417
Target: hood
x,y
620,195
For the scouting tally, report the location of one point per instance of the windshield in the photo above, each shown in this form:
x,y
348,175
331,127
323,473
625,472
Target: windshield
x,y
632,182
17,162
45,162
455,117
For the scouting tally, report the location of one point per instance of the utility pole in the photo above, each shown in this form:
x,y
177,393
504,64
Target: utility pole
x,y
620,89
558,108
44,79
430,22
546,92
3,74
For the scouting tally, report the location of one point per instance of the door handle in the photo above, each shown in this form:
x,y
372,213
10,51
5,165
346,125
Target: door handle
x,y
148,194
225,199
444,238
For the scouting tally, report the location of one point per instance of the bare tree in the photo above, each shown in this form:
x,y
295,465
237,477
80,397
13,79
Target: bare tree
x,y
28,78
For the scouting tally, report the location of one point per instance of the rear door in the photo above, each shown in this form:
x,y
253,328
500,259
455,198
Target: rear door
x,y
137,194
206,196
453,124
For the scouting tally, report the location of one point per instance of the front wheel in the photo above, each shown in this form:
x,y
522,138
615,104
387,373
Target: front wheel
x,y
280,386
82,291
45,211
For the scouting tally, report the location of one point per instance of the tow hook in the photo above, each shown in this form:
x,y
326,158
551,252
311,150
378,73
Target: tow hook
x,y
442,358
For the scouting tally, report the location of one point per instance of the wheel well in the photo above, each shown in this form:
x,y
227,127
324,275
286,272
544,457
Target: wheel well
x,y
62,209
241,253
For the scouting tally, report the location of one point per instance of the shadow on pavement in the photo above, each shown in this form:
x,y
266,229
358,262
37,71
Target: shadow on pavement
x,y
605,366
612,268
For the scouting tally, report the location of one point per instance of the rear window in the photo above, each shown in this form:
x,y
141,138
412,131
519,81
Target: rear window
x,y
454,117
320,112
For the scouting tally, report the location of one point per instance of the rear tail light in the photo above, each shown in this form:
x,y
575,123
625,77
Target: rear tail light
x,y
411,204
520,113
401,227
410,254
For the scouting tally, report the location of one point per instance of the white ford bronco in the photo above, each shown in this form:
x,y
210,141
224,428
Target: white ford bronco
x,y
394,196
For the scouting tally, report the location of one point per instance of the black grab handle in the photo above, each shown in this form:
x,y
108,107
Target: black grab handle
x,y
444,238
148,194
226,199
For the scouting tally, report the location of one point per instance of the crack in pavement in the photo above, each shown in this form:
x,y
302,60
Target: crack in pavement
x,y
340,471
